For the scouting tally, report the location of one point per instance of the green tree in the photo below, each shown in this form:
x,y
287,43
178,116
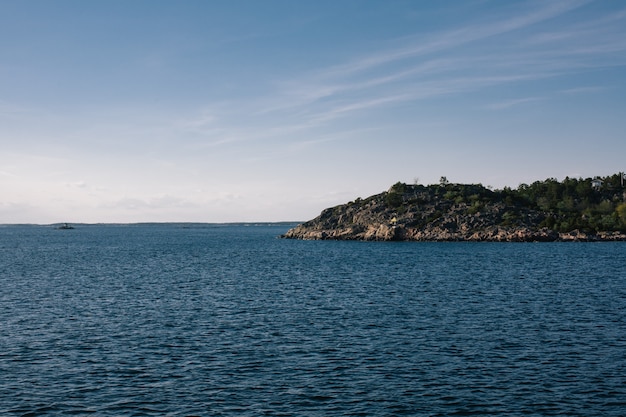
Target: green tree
x,y
621,213
395,197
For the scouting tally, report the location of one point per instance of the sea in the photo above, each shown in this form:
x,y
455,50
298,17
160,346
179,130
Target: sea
x,y
231,320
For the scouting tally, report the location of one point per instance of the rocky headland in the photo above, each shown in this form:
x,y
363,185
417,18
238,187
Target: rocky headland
x,y
461,212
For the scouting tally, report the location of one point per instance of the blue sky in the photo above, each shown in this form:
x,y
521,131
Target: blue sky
x,y
225,111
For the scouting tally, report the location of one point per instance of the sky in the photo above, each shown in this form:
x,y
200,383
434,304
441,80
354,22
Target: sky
x,y
123,111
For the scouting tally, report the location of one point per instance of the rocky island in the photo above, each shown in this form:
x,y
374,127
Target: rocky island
x,y
571,210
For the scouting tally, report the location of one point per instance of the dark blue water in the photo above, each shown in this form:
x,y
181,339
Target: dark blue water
x,y
166,320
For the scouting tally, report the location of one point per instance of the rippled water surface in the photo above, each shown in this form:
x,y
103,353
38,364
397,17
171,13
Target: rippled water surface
x,y
205,320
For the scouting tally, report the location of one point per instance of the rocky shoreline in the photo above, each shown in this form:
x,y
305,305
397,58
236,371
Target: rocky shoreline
x,y
426,214
387,232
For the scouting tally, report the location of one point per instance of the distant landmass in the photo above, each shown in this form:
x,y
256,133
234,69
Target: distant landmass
x,y
591,209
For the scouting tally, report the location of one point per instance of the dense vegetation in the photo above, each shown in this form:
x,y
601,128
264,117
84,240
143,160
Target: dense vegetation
x,y
588,205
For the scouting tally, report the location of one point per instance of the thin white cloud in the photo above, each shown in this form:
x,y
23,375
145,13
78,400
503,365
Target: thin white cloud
x,y
505,104
373,82
584,90
311,106
456,38
458,61
7,174
159,202
77,184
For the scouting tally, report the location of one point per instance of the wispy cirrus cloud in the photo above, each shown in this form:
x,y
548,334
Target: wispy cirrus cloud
x,y
505,104
519,43
584,90
420,45
461,60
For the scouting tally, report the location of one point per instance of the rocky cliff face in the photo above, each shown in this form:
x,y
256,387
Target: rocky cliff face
x,y
449,212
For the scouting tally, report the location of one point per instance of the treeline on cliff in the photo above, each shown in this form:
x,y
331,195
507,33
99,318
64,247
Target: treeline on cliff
x,y
589,205
572,209
583,204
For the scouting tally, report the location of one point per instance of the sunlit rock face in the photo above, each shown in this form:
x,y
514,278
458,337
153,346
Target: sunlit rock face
x,y
447,212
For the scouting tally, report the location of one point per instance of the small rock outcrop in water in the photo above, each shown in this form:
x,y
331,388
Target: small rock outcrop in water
x,y
459,212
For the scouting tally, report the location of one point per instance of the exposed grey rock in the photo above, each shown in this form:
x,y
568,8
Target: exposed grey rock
x,y
448,213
